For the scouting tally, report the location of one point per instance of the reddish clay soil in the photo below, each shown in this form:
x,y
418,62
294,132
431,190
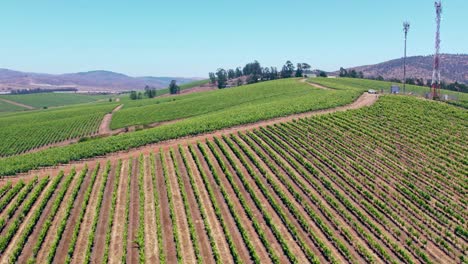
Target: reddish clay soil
x,y
104,128
294,247
188,254
246,223
85,228
66,237
168,236
132,247
8,251
203,241
257,214
101,228
28,247
151,241
217,231
231,224
115,248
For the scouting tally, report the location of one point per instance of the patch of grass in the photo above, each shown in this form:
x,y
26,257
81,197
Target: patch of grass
x,y
41,100
7,107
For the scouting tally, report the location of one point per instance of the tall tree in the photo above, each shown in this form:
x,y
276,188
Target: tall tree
x,y
150,92
273,73
299,70
238,72
266,74
222,78
212,77
133,95
343,72
323,74
253,68
288,70
306,67
174,88
231,74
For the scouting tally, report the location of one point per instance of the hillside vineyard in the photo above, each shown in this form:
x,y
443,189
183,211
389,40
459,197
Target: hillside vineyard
x,y
384,183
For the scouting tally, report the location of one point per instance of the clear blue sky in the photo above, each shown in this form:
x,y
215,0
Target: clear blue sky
x,y
190,38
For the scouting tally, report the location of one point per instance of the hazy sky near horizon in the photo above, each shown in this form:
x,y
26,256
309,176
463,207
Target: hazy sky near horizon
x,y
190,38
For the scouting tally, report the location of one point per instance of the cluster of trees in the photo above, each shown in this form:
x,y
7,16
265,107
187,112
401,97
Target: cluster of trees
x,y
459,87
134,95
40,90
351,74
253,72
151,92
174,88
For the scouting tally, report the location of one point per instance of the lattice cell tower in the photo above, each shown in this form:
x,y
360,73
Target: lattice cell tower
x,y
406,27
436,72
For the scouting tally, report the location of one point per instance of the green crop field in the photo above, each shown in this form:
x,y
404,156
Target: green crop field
x,y
7,107
286,97
380,184
41,100
199,113
24,131
271,93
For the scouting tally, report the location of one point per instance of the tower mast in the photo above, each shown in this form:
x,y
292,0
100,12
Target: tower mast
x,y
406,26
436,72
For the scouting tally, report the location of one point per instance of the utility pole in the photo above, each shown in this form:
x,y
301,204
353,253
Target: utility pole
x,y
406,27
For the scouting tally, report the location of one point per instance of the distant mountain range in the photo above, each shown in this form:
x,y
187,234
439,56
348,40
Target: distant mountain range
x,y
83,81
454,67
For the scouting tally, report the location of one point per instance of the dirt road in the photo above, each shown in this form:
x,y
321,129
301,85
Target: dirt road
x,y
104,128
316,85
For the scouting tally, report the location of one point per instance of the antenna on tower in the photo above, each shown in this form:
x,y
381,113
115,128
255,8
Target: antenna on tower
x,y
436,72
406,27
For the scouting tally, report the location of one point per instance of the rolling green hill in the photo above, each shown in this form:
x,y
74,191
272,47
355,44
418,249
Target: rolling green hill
x,y
40,100
241,105
279,92
199,113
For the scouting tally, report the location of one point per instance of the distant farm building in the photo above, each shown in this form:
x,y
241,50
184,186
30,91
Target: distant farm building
x,y
395,89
